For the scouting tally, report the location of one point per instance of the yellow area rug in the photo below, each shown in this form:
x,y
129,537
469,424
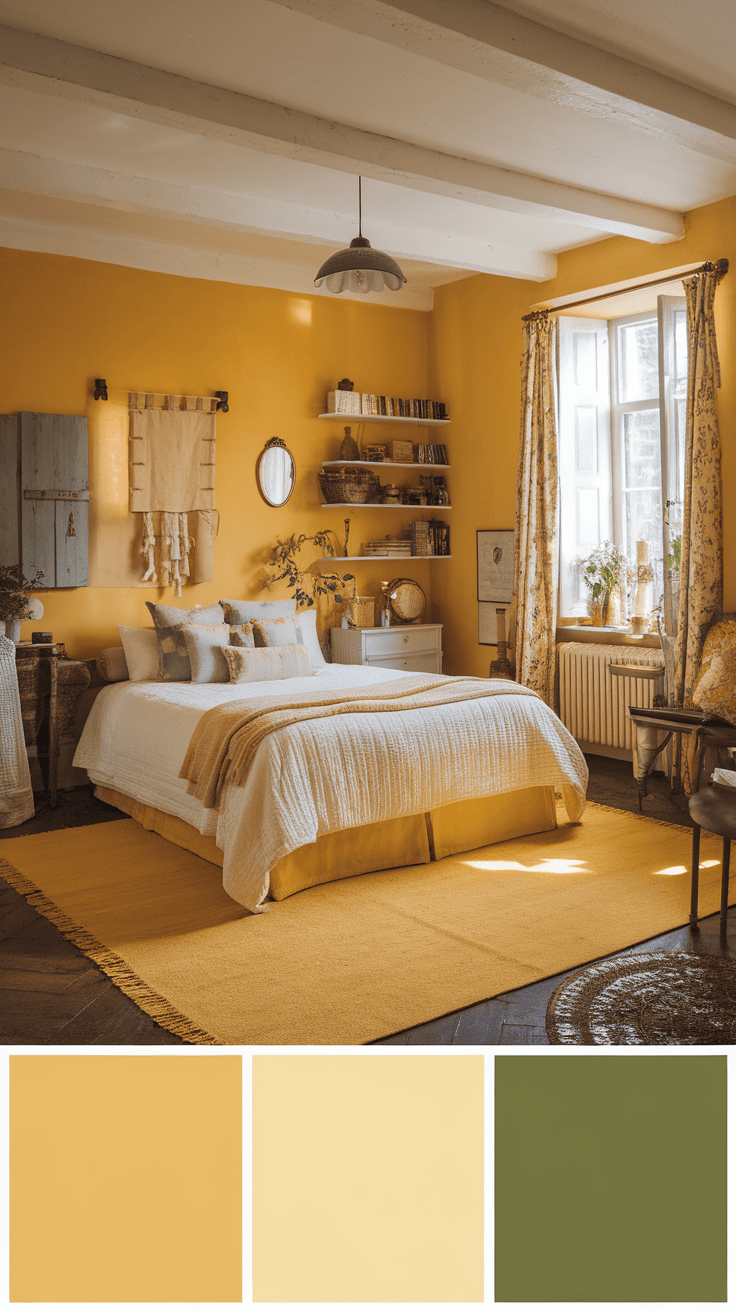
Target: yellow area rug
x,y
362,958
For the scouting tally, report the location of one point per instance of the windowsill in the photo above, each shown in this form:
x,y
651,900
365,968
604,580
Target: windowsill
x,y
617,637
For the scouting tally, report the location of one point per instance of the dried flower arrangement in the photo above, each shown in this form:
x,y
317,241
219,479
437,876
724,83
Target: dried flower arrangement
x,y
14,589
304,583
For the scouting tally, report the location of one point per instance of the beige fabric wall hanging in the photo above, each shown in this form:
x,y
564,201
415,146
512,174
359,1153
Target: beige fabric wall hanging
x,y
172,485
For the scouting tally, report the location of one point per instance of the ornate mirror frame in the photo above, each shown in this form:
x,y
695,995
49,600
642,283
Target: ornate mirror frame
x,y
274,453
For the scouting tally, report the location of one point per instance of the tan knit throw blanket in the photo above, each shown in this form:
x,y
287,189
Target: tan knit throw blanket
x,y
226,739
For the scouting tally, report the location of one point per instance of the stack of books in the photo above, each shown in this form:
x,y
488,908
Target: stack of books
x,y
344,403
397,407
430,454
388,547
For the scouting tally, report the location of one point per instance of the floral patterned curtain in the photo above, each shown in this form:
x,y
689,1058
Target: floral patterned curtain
x,y
701,562
534,609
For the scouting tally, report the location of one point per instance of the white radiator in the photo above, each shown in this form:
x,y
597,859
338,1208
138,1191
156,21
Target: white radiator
x,y
594,702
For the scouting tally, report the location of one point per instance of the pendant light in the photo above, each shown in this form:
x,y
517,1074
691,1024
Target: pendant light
x,y
359,268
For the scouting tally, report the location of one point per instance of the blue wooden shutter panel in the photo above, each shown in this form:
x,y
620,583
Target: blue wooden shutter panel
x,y
45,509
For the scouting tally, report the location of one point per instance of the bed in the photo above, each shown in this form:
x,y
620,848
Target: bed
x,y
324,800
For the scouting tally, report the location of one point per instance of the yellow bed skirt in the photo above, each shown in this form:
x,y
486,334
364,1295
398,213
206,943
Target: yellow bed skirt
x,y
408,841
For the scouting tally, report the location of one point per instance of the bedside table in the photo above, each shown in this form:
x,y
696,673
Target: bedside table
x,y
402,647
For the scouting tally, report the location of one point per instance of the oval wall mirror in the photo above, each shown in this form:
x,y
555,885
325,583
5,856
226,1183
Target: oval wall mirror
x,y
276,472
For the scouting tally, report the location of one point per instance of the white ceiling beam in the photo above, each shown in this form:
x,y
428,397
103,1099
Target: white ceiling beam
x,y
84,243
493,43
40,176
57,68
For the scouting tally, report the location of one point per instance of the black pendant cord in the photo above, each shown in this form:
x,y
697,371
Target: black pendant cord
x,y
360,206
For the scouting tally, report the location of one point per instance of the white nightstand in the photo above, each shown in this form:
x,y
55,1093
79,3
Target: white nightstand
x,y
403,647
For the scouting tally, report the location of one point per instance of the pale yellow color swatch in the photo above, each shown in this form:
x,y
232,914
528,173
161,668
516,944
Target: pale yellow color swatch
x,y
367,1179
125,1179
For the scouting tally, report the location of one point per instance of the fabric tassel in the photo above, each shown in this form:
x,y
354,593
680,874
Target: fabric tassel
x,y
148,548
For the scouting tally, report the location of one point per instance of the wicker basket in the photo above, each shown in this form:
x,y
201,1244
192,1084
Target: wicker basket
x,y
360,611
354,486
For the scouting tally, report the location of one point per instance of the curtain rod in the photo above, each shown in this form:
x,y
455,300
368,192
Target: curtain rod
x,y
720,268
222,397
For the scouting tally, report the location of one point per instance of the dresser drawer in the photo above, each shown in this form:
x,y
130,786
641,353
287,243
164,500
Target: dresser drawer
x,y
400,642
429,662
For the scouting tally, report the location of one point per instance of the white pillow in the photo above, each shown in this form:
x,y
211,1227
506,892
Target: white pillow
x,y
141,652
306,623
242,612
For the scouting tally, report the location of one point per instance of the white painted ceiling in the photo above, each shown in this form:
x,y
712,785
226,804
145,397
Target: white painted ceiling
x,y
224,141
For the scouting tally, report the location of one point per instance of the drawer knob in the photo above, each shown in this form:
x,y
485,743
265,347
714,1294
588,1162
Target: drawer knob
x,y
406,639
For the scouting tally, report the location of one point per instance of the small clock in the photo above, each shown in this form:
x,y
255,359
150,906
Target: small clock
x,y
406,601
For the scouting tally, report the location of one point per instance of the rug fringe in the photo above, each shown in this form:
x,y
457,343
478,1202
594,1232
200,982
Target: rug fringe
x,y
635,815
154,1005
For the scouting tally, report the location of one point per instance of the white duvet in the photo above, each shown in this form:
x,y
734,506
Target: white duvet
x,y
320,776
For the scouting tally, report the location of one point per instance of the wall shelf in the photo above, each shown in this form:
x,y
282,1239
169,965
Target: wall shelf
x,y
334,560
376,505
382,464
385,419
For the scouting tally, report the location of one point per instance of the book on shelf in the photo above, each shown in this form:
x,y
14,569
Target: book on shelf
x,y
420,543
393,407
343,403
428,453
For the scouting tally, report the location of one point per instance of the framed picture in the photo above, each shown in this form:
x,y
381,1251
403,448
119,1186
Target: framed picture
x,y
488,621
495,564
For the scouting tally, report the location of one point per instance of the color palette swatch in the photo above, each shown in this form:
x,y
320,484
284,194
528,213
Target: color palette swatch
x,y
125,1179
610,1178
368,1178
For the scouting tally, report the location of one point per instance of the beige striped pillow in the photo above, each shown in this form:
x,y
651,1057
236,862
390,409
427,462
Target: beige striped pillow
x,y
257,664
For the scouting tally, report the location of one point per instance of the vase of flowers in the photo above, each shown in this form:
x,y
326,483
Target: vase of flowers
x,y
603,571
15,603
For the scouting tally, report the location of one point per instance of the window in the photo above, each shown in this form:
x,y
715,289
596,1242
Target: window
x,y
621,433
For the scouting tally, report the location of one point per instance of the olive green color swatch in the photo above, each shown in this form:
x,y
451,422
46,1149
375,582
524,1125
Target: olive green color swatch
x,y
610,1178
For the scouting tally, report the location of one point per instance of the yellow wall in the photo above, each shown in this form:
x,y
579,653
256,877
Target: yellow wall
x,y
474,353
66,321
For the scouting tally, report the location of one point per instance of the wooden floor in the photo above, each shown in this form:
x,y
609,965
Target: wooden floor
x,y
50,993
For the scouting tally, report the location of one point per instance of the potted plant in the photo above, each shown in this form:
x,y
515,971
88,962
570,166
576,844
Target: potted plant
x,y
303,582
14,600
603,570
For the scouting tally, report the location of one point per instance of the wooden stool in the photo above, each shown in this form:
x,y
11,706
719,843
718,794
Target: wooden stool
x,y
713,808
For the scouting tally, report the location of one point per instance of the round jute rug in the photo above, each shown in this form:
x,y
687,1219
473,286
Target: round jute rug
x,y
654,997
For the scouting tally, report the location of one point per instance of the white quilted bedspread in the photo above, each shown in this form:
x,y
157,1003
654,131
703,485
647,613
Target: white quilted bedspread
x,y
324,775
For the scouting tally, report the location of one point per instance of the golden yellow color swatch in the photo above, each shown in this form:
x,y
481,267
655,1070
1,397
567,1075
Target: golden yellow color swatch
x,y
125,1179
367,1179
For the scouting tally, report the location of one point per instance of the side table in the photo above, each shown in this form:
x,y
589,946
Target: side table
x,y
50,685
650,725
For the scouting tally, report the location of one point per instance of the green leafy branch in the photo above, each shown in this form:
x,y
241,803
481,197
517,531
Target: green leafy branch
x,y
675,556
303,582
603,569
14,588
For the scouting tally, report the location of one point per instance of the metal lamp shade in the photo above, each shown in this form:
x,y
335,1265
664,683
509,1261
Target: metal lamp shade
x,y
360,269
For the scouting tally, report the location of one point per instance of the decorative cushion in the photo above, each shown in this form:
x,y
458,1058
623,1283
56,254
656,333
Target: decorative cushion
x,y
288,662
204,646
174,663
715,686
306,623
275,633
111,664
141,652
242,612
241,635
